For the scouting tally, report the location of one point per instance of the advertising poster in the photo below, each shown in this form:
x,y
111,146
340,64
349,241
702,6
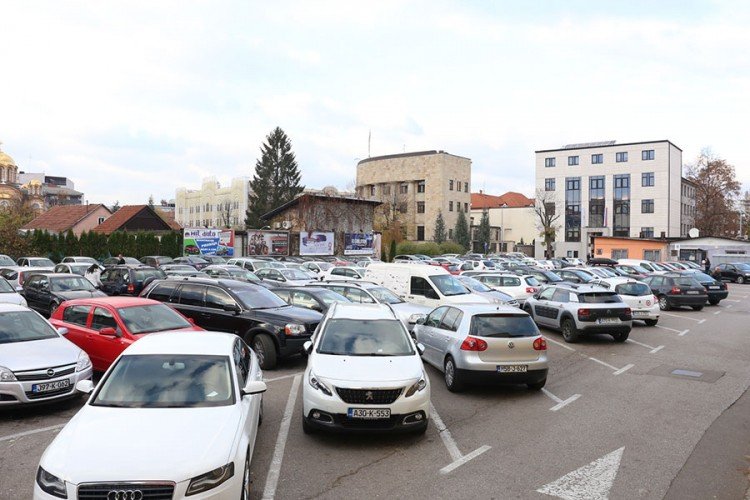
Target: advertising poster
x,y
268,243
204,241
359,244
315,243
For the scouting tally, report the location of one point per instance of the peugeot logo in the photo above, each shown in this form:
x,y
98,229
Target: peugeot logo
x,y
50,372
511,345
368,396
125,495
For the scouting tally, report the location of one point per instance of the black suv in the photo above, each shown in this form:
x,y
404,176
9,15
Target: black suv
x,y
273,328
126,279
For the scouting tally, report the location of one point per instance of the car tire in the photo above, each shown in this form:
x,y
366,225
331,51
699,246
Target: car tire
x,y
569,331
621,337
740,280
537,386
246,478
265,349
664,303
697,308
54,305
527,309
714,302
306,427
450,375
651,322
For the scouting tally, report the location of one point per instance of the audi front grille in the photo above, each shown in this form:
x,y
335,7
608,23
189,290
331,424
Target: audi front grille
x,y
126,491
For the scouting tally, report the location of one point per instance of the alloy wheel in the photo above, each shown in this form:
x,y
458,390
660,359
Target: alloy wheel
x,y
259,351
450,372
663,304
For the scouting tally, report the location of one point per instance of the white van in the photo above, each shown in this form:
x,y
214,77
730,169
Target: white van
x,y
431,286
649,266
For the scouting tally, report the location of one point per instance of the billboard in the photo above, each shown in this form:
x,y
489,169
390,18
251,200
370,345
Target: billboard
x,y
316,243
268,243
205,241
359,244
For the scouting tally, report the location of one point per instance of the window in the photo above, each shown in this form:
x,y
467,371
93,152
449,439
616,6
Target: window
x,y
386,189
420,207
101,219
103,319
647,206
572,160
76,315
217,298
596,201
451,319
621,157
403,188
420,286
458,185
621,223
647,232
420,233
652,255
450,206
450,185
619,253
191,295
549,162
549,207
549,184
466,208
433,319
573,209
420,187
647,179
599,158
450,234
466,187
647,154
372,190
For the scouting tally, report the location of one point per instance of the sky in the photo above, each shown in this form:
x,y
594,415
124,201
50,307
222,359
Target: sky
x,y
131,99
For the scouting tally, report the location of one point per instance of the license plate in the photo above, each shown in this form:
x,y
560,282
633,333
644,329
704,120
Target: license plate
x,y
607,321
693,292
713,287
369,413
512,368
50,386
640,313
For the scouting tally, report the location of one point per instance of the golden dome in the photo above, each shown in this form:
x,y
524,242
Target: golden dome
x,y
6,160
35,182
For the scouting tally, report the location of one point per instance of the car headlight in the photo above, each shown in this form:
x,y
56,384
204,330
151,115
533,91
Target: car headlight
x,y
293,329
317,384
210,480
49,483
6,375
417,386
84,362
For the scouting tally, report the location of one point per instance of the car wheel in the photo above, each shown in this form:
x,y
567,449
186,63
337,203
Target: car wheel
x,y
664,303
527,308
714,302
265,350
569,332
740,280
697,308
537,386
246,478
450,374
306,427
651,322
54,305
621,337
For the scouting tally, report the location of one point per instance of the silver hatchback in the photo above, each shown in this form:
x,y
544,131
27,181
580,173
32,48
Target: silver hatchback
x,y
482,343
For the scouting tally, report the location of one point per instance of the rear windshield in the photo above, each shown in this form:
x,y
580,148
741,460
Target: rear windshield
x,y
633,289
503,326
685,281
143,274
599,298
702,277
6,287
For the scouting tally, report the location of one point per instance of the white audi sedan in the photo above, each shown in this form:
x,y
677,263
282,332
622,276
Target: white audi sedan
x,y
174,417
364,372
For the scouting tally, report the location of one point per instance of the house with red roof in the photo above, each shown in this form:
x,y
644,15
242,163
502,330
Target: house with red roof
x,y
512,220
64,218
136,218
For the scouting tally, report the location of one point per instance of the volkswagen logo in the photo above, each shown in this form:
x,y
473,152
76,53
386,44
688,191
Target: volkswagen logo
x,y
511,345
368,396
125,495
609,311
50,373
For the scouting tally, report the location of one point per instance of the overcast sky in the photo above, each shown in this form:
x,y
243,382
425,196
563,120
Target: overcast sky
x,y
130,99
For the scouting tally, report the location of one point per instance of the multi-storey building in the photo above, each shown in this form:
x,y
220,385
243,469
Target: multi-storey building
x,y
607,189
513,216
213,205
414,187
56,190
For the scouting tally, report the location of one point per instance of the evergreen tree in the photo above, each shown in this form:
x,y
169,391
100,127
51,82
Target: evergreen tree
x,y
484,231
439,235
392,252
276,179
461,232
116,206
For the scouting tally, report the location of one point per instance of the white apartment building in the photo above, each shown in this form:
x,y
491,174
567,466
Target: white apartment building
x,y
633,190
213,205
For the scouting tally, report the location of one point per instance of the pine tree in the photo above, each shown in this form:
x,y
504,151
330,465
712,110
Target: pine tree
x,y
484,231
276,179
461,232
439,235
392,252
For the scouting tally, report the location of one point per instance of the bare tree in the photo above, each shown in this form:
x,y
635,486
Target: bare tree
x,y
225,213
546,218
716,193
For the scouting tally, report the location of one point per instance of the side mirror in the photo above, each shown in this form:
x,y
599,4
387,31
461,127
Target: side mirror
x,y
62,330
421,320
535,296
85,386
307,346
231,308
254,387
420,348
109,332
317,307
191,321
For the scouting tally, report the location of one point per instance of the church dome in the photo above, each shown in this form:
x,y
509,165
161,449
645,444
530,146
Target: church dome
x,y
6,160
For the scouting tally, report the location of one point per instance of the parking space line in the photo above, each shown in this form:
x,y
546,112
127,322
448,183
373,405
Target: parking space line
x,y
732,300
282,377
617,371
683,317
559,343
272,479
717,312
653,349
683,333
35,431
450,467
560,403
729,305
670,329
450,444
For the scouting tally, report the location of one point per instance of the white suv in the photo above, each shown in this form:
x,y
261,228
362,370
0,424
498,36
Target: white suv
x,y
364,372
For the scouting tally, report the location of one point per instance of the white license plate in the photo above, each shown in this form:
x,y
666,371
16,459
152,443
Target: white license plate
x,y
693,292
50,386
607,321
512,368
713,287
369,413
640,313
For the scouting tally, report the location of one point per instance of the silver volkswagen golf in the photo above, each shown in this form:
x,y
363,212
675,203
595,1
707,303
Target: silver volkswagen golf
x,y
482,343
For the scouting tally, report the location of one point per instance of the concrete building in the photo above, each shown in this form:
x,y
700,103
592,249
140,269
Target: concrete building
x,y
213,205
687,207
631,190
414,187
56,190
511,214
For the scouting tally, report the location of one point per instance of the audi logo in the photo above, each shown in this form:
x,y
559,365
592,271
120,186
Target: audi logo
x,y
125,495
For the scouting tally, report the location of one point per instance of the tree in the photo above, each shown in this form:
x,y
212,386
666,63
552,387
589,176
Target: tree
x,y
392,252
151,201
116,206
276,179
225,213
546,219
483,235
461,232
716,192
11,220
439,235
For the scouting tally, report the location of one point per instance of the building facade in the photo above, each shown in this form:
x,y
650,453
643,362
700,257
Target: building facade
x,y
213,205
687,207
56,190
630,190
511,215
414,187
14,192
63,218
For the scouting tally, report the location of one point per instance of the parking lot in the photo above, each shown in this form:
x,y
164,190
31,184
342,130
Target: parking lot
x,y
627,420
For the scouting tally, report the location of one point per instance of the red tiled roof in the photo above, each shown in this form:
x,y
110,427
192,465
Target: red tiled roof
x,y
509,199
60,218
122,216
168,216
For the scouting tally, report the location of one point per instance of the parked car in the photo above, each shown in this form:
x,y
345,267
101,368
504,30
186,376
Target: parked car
x,y
34,262
315,298
518,287
272,327
649,266
195,399
250,264
635,272
285,276
79,259
317,267
738,272
643,303
577,275
483,343
197,262
128,279
114,261
578,310
9,294
45,292
78,268
6,260
716,290
343,273
104,327
480,288
16,275
364,372
675,290
156,260
36,363
228,271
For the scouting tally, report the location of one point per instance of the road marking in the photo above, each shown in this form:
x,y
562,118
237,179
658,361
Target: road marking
x,y
732,300
683,317
272,479
667,328
28,433
559,343
717,312
282,377
653,349
592,481
683,333
451,446
730,305
617,371
560,403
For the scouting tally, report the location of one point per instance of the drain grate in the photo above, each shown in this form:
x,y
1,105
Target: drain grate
x,y
708,376
687,373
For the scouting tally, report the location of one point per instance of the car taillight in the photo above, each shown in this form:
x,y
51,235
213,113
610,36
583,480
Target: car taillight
x,y
473,344
675,290
131,288
540,344
656,299
20,278
584,313
531,289
628,311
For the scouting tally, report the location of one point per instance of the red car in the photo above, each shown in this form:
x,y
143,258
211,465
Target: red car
x,y
106,326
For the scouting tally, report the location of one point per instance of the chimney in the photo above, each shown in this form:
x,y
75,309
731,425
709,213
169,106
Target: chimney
x,y
481,192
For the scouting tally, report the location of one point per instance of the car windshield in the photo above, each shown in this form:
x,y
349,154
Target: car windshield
x,y
659,267
328,297
24,326
633,289
70,284
6,261
41,263
238,272
178,267
503,326
357,337
257,297
474,284
743,266
167,381
324,266
79,268
6,287
532,281
599,298
143,274
448,285
151,318
294,274
384,296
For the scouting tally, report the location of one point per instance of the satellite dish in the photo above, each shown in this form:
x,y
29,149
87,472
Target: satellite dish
x,y
694,232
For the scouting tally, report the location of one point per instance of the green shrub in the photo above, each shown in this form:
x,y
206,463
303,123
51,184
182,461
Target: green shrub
x,y
451,247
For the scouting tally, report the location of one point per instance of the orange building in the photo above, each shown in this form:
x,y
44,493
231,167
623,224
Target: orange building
x,y
631,248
